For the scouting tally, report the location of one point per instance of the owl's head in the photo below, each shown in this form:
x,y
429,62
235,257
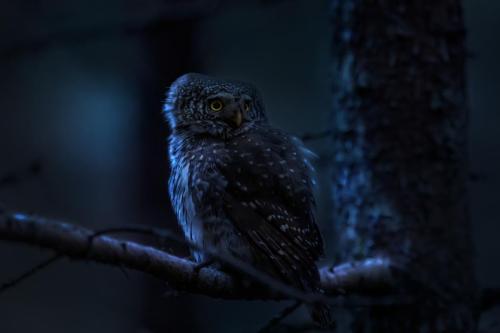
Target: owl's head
x,y
213,106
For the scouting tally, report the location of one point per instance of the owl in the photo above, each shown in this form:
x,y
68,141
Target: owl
x,y
239,185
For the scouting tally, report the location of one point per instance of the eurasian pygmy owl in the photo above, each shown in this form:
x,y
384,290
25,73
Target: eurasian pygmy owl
x,y
239,185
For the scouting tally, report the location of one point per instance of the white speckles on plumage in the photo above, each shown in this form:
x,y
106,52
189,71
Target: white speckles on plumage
x,y
242,187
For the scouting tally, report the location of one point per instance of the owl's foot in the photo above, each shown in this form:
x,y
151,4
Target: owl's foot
x,y
203,264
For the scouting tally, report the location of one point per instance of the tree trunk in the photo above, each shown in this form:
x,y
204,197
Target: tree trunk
x,y
400,166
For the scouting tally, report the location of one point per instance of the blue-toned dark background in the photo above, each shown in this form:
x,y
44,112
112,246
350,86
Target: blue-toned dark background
x,y
81,90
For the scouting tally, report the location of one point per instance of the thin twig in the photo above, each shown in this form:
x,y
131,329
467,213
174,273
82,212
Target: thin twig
x,y
280,317
13,178
40,266
300,328
317,136
32,271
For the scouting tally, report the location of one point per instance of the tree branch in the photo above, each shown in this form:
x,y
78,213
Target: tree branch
x,y
82,244
373,275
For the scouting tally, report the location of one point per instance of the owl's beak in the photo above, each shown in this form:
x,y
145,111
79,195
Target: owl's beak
x,y
233,114
237,118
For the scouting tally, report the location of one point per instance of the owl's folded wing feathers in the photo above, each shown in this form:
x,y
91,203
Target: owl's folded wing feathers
x,y
268,197
289,258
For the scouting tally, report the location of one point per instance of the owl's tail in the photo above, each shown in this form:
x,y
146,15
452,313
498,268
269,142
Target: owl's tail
x,y
321,315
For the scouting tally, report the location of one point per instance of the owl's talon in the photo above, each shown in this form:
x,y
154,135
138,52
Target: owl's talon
x,y
203,264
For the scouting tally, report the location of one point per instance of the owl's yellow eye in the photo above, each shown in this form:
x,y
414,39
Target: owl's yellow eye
x,y
216,105
246,106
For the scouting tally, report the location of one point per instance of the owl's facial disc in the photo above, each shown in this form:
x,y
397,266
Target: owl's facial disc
x,y
230,108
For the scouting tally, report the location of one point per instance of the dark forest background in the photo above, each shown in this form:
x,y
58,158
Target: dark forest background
x,y
82,139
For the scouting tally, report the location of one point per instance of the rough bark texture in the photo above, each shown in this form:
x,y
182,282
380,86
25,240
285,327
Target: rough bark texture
x,y
400,173
368,277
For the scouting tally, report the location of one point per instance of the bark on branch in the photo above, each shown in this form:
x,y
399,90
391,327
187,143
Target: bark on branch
x,y
78,243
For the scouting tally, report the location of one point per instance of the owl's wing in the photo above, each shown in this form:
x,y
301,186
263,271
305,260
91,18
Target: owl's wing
x,y
268,197
276,249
